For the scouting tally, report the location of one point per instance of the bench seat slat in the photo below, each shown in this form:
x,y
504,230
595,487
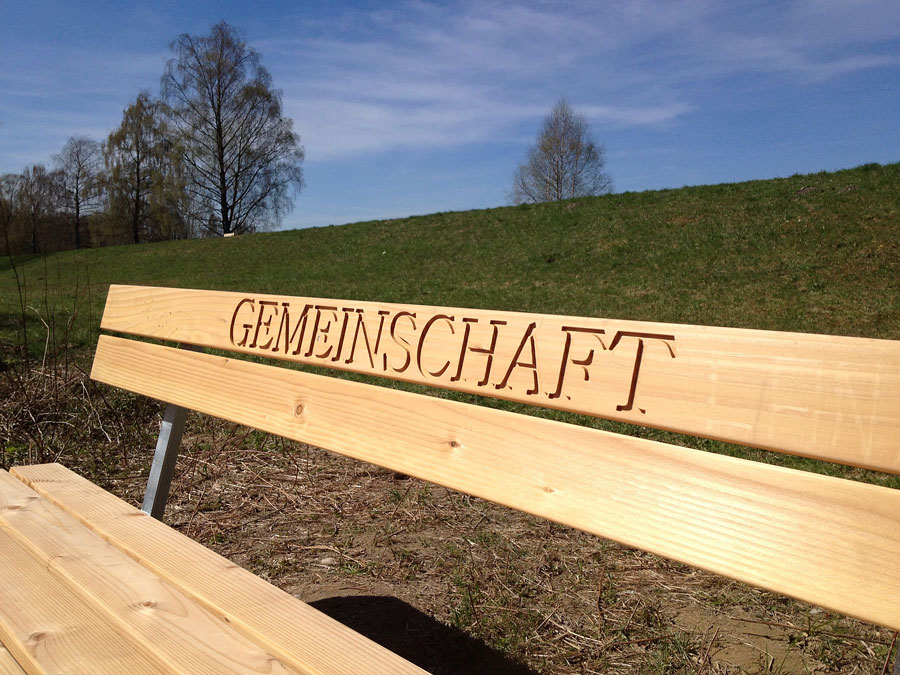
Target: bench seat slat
x,y
8,665
49,629
289,629
826,397
180,630
828,541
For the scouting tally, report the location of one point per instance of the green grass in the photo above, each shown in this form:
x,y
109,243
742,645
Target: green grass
x,y
815,253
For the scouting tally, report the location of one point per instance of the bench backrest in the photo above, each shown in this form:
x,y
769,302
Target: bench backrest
x,y
829,541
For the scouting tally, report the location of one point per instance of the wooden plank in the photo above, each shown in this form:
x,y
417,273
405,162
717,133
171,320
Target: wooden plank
x,y
8,665
289,629
175,627
49,629
829,541
831,398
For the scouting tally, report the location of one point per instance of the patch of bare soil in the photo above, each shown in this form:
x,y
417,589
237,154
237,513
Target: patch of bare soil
x,y
459,585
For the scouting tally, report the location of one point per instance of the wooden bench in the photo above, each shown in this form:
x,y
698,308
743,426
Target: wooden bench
x,y
92,585
829,541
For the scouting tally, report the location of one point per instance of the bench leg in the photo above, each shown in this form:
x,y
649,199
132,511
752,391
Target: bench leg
x,y
163,467
167,446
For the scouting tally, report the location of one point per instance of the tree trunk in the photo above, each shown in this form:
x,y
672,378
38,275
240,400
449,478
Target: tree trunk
x,y
223,184
136,213
77,220
34,237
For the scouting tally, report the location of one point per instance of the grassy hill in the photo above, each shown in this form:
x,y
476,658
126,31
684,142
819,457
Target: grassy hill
x,y
812,253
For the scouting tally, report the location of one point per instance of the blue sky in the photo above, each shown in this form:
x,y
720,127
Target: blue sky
x,y
417,107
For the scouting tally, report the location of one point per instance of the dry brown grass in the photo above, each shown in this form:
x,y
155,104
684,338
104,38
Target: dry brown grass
x,y
349,536
454,583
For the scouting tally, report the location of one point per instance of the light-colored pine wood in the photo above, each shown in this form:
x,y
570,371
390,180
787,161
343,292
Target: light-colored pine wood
x,y
176,627
291,630
8,665
829,541
48,629
831,398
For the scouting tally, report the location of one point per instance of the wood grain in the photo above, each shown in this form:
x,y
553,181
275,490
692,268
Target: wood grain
x,y
49,629
829,541
183,633
8,665
831,398
289,629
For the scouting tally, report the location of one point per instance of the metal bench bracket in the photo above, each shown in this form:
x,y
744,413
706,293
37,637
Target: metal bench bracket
x,y
165,457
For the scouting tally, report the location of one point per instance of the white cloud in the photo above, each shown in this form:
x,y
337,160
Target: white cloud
x,y
434,75
635,116
809,41
430,75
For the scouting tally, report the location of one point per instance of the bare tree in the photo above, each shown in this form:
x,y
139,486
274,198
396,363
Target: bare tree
x,y
9,189
39,196
565,162
241,153
79,164
9,197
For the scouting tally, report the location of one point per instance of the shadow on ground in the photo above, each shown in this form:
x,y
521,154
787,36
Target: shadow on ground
x,y
417,637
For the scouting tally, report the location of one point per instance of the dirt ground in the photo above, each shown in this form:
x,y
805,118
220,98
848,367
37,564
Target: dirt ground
x,y
459,585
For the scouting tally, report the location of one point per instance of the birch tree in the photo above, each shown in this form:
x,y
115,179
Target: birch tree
x,y
79,164
143,183
565,162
